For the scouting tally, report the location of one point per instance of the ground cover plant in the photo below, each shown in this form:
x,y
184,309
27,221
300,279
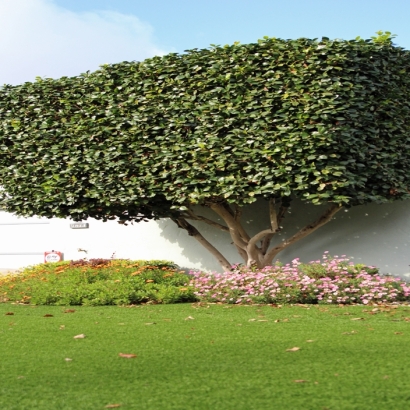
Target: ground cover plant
x,y
330,280
199,136
204,356
97,282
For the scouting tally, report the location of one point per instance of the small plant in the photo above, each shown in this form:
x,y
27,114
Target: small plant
x,y
330,280
96,282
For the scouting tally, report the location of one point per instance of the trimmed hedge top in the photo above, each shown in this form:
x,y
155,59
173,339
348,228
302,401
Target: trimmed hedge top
x,y
324,120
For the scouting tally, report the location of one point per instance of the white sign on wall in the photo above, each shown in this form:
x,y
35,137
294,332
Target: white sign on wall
x,y
53,256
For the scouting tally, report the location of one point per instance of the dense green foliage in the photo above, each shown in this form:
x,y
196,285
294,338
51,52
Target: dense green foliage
x,y
324,120
97,282
204,357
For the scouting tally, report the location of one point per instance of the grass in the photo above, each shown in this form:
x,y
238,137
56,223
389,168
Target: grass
x,y
203,356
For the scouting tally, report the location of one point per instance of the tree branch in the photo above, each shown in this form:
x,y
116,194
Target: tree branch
x,y
234,226
195,217
192,231
307,230
273,215
265,243
237,212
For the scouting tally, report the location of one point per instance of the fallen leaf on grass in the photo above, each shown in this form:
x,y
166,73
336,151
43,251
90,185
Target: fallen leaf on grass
x,y
301,381
252,320
189,318
127,355
112,406
357,318
69,311
9,314
67,359
150,323
309,341
48,315
82,336
398,333
62,327
293,349
349,333
263,320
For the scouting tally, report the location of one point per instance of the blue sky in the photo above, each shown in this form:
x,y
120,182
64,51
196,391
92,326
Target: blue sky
x,y
183,24
52,38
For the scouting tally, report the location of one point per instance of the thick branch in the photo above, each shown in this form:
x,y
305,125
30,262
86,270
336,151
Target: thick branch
x,y
273,215
195,217
322,220
192,231
237,212
233,225
265,243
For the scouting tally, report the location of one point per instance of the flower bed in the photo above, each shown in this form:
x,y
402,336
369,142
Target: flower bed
x,y
331,280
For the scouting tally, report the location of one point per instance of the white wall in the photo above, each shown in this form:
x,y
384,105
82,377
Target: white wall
x,y
373,234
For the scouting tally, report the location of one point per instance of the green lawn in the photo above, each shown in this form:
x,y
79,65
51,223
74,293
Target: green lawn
x,y
207,357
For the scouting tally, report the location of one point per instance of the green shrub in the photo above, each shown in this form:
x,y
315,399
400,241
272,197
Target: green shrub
x,y
97,282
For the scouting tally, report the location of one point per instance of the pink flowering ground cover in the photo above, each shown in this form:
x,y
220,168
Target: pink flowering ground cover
x,y
332,280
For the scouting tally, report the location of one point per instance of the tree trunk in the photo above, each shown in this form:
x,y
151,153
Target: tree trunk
x,y
253,250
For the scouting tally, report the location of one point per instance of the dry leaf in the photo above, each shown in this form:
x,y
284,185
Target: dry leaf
x,y
62,327
309,341
189,318
358,318
293,349
150,323
9,314
398,333
127,355
48,315
276,321
82,336
301,381
252,320
67,359
69,311
112,406
285,320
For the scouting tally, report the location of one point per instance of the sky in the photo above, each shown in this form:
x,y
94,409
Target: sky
x,y
55,38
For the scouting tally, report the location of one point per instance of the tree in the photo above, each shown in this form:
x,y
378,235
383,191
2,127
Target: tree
x,y
324,120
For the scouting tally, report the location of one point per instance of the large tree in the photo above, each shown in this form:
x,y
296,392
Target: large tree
x,y
324,120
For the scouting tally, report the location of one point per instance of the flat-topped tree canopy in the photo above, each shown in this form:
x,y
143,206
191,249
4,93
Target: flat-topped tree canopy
x,y
323,120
